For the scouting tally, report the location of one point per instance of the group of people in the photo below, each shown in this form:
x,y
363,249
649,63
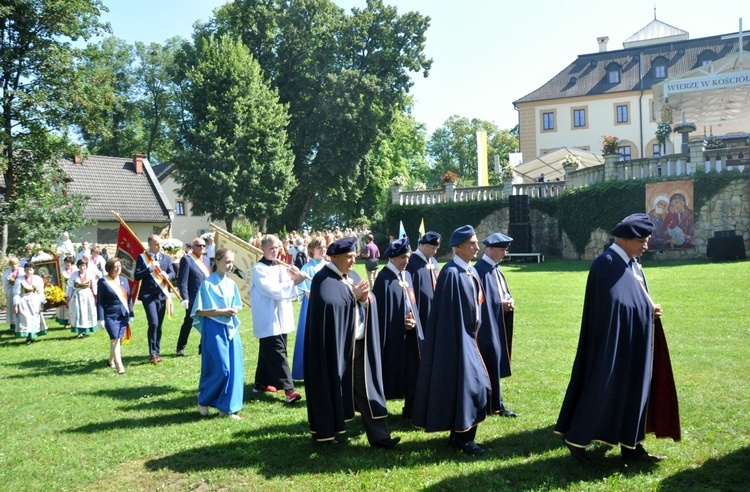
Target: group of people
x,y
438,339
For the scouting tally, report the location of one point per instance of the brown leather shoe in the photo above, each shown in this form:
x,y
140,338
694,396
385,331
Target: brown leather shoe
x,y
155,359
579,454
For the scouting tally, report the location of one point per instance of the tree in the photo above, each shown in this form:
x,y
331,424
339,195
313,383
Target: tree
x,y
453,147
113,126
344,78
40,89
235,159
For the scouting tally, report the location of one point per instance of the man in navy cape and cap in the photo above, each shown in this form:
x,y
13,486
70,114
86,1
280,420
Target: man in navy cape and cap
x,y
423,268
343,371
621,386
453,387
400,326
496,336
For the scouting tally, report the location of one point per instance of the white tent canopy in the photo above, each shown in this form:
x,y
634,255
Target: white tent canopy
x,y
715,96
550,164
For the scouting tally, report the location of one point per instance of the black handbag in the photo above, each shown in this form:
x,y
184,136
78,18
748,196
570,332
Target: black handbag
x,y
371,265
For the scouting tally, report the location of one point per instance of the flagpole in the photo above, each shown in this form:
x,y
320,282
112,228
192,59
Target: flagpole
x,y
127,227
258,252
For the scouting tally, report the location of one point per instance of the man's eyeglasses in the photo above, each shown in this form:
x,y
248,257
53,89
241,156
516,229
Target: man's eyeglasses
x,y
199,245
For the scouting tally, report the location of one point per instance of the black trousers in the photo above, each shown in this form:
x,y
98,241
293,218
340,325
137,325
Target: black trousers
x,y
273,368
187,326
376,429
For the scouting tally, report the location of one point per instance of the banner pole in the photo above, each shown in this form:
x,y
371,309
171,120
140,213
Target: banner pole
x,y
126,226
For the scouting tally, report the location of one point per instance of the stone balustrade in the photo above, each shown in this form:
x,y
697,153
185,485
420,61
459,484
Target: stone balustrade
x,y
672,165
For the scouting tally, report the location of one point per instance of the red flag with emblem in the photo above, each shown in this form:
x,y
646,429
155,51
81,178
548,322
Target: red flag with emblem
x,y
128,249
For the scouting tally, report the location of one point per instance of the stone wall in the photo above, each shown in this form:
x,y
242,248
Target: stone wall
x,y
727,210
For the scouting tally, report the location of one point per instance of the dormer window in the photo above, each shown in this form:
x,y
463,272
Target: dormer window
x,y
613,73
706,58
660,68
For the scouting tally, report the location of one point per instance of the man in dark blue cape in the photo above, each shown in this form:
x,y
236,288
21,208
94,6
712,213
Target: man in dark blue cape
x,y
423,268
399,324
611,380
453,387
342,362
496,337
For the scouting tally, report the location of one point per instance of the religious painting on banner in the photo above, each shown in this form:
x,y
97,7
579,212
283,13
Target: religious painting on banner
x,y
670,207
245,256
128,249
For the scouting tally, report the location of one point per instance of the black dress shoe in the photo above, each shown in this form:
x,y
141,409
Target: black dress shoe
x,y
640,454
470,448
387,443
508,413
579,454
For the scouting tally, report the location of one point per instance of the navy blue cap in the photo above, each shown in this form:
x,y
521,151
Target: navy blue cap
x,y
342,246
397,248
461,234
497,240
632,226
430,237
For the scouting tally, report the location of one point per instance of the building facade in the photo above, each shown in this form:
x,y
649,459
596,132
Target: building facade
x,y
611,93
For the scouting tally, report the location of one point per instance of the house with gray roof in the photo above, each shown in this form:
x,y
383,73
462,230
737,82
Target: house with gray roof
x,y
186,225
124,185
610,92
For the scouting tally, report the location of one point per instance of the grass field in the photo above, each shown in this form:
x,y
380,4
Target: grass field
x,y
67,422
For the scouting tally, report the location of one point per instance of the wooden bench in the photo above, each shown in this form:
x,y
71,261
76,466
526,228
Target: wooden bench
x,y
539,256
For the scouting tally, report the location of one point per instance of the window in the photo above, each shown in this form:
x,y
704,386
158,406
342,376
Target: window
x,y
705,58
656,150
660,68
624,152
180,208
579,118
613,73
622,113
548,120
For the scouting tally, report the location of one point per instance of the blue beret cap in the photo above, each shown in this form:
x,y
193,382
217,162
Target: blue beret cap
x,y
461,234
342,246
497,240
430,237
632,226
397,248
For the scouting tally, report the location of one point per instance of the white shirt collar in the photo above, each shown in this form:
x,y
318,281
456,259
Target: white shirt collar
x,y
621,253
460,262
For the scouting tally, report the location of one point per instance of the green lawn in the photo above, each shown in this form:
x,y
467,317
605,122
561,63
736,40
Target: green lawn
x,y
67,422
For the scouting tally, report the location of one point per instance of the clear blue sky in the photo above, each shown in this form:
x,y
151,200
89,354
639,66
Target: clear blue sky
x,y
486,53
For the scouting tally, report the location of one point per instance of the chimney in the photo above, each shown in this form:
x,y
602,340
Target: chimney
x,y
602,43
138,163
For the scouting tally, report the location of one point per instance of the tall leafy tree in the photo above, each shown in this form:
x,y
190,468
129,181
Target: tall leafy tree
x,y
344,77
157,97
453,147
114,126
235,159
39,89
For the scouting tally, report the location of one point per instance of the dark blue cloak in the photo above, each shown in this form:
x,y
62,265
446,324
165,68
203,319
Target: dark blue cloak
x,y
329,356
609,386
453,388
497,331
424,289
400,347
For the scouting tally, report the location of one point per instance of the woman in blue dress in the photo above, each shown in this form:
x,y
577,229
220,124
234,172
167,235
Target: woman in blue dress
x,y
114,309
222,382
315,251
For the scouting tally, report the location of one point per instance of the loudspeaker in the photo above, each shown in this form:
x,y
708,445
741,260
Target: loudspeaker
x,y
518,209
521,234
726,248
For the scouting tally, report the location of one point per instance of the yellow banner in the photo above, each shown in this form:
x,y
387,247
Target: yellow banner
x,y
245,256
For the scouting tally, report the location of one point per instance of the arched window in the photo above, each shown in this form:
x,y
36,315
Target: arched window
x,y
705,58
660,66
